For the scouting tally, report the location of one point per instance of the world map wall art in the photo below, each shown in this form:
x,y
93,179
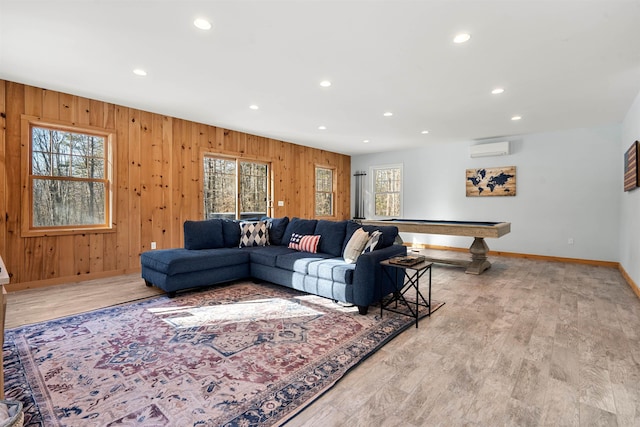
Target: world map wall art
x,y
491,182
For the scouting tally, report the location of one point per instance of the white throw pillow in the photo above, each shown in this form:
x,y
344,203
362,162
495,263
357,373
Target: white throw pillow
x,y
355,246
374,238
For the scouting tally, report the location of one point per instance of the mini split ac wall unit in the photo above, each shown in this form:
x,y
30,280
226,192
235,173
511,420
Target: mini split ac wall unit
x,y
491,149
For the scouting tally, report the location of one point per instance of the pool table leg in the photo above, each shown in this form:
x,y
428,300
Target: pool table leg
x,y
479,261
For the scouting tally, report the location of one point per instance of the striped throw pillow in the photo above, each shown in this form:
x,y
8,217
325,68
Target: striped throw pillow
x,y
304,243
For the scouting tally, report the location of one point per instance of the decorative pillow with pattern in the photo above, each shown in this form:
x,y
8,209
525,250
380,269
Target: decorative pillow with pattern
x,y
374,238
253,233
304,243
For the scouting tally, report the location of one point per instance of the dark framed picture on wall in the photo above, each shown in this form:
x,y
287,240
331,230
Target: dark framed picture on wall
x,y
631,167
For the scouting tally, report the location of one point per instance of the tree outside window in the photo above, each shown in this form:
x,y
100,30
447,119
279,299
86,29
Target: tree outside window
x,y
234,188
387,189
68,178
324,191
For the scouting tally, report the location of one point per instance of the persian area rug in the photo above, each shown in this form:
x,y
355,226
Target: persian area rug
x,y
238,355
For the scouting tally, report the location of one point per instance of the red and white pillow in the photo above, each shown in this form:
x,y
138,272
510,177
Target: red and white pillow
x,y
304,243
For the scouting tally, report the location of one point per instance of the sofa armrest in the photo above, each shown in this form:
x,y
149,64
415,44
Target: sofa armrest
x,y
369,278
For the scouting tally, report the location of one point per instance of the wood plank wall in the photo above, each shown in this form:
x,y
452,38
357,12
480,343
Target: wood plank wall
x,y
158,162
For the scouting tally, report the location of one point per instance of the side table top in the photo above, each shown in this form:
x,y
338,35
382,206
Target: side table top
x,y
419,266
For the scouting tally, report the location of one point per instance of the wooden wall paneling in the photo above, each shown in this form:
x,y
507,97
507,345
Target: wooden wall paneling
x,y
105,116
202,145
230,142
50,104
65,107
15,255
285,180
306,171
185,179
3,170
133,221
81,260
157,188
66,256
212,134
51,261
33,105
96,113
148,198
96,252
218,143
82,111
32,265
194,198
33,97
166,184
177,172
122,165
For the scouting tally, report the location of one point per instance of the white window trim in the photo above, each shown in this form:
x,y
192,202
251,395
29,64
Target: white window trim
x,y
371,200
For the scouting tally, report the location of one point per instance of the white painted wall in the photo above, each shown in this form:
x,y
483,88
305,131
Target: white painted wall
x,y
630,201
569,185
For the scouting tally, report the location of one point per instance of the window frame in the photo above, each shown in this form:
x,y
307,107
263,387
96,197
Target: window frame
x,y
27,177
372,171
332,192
238,160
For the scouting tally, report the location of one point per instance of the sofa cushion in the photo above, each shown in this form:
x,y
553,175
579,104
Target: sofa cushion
x,y
304,243
389,233
267,255
298,226
231,233
176,261
333,233
205,234
298,261
355,245
253,233
277,227
334,269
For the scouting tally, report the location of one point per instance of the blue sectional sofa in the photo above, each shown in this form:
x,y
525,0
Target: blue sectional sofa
x,y
214,252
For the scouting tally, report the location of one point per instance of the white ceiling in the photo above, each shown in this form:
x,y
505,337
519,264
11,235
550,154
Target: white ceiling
x,y
563,64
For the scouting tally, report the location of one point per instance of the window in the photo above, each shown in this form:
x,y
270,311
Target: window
x,y
68,178
235,188
324,191
387,190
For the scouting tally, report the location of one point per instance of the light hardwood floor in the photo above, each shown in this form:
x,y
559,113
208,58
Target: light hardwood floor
x,y
527,343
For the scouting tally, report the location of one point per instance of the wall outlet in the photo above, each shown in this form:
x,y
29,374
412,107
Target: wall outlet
x,y
153,245
280,202
570,241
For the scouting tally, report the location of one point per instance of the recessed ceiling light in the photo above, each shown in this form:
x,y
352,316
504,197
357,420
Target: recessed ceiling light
x,y
461,38
325,83
139,72
202,23
497,91
366,141
514,118
322,127
254,107
388,114
424,132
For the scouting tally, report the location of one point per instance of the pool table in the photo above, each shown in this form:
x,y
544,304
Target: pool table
x,y
478,230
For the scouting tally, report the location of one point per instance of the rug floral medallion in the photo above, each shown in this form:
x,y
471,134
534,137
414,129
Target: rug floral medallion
x,y
238,355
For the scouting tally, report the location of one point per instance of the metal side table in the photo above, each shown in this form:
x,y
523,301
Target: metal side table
x,y
411,280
